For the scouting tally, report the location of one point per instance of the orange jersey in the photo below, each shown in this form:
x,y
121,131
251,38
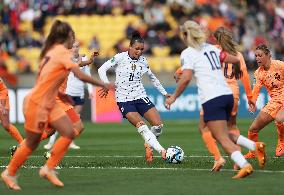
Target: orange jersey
x,y
272,80
54,69
64,105
233,82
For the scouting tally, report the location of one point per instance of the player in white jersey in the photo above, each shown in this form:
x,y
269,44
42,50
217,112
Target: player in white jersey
x,y
75,89
204,61
131,96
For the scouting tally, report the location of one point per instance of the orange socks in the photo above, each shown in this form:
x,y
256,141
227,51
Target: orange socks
x,y
58,151
280,130
14,132
253,136
211,145
19,158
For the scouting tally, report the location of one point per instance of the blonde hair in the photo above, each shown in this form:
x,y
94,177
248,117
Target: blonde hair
x,y
224,38
193,34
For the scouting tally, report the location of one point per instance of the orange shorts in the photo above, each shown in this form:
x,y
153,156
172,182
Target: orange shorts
x,y
272,107
4,99
64,105
37,118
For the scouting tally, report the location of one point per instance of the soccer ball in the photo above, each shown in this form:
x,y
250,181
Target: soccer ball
x,y
174,155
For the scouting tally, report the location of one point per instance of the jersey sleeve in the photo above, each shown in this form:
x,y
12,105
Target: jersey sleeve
x,y
186,62
155,81
67,61
245,78
257,86
111,63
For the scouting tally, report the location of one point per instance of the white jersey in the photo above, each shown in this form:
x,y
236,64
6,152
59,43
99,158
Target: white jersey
x,y
207,69
128,72
75,87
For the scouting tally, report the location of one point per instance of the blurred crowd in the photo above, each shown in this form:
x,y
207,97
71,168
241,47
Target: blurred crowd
x,y
252,22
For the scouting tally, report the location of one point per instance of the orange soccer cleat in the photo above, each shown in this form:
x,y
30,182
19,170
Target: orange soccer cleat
x,y
245,171
250,154
218,164
279,151
10,181
260,153
148,153
50,175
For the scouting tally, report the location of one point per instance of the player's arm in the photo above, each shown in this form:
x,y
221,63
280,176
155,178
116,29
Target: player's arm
x,y
86,78
245,78
185,79
89,61
156,82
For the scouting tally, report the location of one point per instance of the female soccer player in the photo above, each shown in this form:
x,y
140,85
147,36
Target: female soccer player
x,y
75,89
232,73
131,96
5,111
204,61
270,74
41,108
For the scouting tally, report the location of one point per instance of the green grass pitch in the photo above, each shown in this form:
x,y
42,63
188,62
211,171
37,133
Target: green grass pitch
x,y
111,161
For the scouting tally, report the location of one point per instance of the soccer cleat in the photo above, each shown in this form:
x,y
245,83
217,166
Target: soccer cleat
x,y
48,146
250,154
148,153
50,175
279,151
10,181
74,146
13,150
260,153
218,164
245,171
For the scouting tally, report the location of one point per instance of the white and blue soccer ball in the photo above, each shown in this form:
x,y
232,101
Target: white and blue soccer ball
x,y
174,155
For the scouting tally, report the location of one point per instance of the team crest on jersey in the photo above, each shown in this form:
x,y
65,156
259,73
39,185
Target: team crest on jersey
x,y
112,60
133,67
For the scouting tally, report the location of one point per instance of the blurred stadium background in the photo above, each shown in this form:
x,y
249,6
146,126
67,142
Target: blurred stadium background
x,y
107,24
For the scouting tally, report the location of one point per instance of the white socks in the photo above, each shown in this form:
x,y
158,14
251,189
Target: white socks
x,y
239,159
53,138
245,142
150,138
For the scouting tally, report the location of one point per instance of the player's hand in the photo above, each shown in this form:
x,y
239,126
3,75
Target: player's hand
x,y
168,95
103,93
252,106
169,101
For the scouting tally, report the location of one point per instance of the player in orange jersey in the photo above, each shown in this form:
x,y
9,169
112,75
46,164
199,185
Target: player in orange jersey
x,y
5,111
270,75
41,108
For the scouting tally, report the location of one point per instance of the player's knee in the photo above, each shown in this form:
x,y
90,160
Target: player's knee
x,y
157,130
6,125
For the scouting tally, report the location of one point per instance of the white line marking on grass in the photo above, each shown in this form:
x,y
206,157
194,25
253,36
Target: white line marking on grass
x,y
145,168
124,156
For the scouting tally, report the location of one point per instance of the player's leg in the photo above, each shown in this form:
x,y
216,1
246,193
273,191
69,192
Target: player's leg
x,y
153,117
64,126
51,141
5,121
258,124
36,122
78,125
210,144
279,151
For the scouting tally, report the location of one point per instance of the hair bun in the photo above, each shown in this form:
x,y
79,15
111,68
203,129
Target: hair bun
x,y
135,34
